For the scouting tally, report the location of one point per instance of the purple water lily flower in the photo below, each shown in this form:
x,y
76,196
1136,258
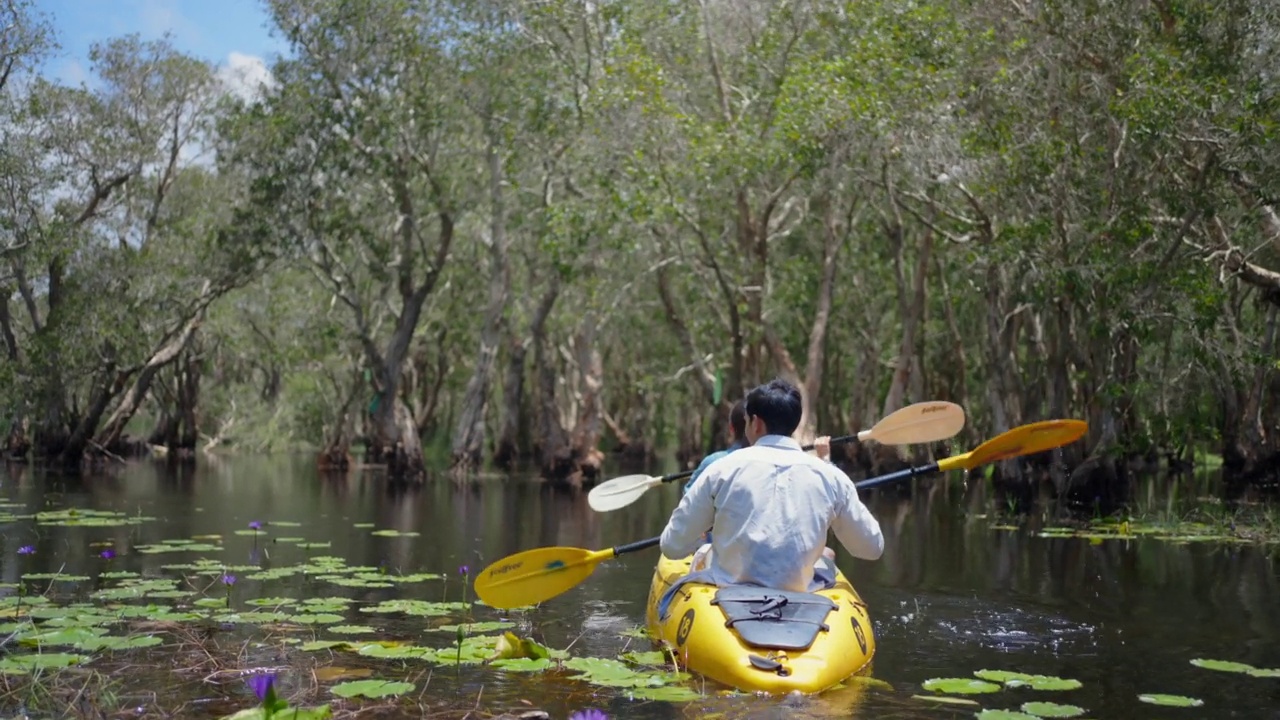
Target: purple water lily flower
x,y
107,554
228,580
255,525
589,714
27,550
261,684
464,570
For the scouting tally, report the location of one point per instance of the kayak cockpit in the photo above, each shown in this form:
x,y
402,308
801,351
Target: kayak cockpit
x,y
774,619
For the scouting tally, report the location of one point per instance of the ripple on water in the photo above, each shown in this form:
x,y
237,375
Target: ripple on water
x,y
933,623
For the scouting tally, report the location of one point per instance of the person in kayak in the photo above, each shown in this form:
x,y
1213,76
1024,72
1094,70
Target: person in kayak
x,y
771,505
737,441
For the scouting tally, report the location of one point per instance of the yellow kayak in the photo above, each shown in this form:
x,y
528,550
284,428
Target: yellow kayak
x,y
757,639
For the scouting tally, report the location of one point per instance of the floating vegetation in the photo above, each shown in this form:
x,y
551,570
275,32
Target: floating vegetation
x,y
395,533
1012,679
959,686
1051,710
1222,665
946,700
1170,700
371,688
1004,715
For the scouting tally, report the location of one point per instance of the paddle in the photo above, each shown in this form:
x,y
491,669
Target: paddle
x,y
919,423
537,575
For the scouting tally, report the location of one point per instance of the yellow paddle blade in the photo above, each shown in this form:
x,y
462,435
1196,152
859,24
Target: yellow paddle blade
x,y
537,575
1022,440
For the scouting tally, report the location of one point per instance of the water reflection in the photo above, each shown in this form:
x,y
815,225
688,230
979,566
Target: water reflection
x,y
950,596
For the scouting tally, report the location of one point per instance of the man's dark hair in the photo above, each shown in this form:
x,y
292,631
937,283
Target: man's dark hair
x,y
738,420
778,404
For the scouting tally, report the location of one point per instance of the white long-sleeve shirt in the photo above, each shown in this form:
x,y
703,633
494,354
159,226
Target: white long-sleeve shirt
x,y
771,505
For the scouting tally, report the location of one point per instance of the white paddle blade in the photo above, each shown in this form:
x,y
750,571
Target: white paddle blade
x,y
920,423
620,492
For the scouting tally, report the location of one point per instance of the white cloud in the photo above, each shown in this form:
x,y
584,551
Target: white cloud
x,y
245,76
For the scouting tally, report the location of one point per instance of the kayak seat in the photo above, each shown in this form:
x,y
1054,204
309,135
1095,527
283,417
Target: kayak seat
x,y
774,619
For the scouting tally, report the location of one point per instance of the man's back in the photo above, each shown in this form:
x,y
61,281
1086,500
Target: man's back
x,y
771,505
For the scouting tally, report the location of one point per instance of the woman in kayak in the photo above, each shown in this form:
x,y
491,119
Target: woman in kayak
x,y
771,505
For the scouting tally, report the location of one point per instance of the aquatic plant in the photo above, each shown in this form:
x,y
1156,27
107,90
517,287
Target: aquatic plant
x,y
465,572
229,581
589,714
27,550
1170,700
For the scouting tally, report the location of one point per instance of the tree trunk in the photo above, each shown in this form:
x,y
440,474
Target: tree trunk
x,y
168,352
468,437
584,441
911,309
509,444
551,442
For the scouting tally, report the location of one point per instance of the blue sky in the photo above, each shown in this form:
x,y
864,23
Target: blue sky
x,y
225,32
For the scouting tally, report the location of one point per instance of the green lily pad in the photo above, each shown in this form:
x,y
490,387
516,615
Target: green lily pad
x,y
364,525
1265,673
352,629
1004,715
210,602
1051,710
314,545
397,652
371,688
1170,700
284,523
271,601
1035,682
117,575
23,664
415,607
522,664
252,617
250,531
652,657
415,577
476,627
613,673
60,577
1222,665
959,686
317,618
358,583
111,642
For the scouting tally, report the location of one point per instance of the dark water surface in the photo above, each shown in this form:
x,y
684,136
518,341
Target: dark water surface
x,y
951,595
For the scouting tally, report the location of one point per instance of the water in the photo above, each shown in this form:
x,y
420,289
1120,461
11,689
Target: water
x,y
950,596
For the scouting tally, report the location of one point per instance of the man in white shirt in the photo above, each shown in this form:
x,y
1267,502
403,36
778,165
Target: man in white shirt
x,y
771,505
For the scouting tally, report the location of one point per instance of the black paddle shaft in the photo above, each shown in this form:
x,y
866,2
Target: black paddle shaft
x,y
637,545
688,473
896,476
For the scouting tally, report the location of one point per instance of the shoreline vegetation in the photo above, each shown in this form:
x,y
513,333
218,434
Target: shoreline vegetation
x,y
551,235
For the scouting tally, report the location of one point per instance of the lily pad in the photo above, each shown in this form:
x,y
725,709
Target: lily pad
x,y
1265,673
352,629
111,642
1051,710
476,627
395,533
23,664
271,601
959,686
1170,700
522,664
1222,665
1004,715
317,618
652,657
371,688
1035,682
323,645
